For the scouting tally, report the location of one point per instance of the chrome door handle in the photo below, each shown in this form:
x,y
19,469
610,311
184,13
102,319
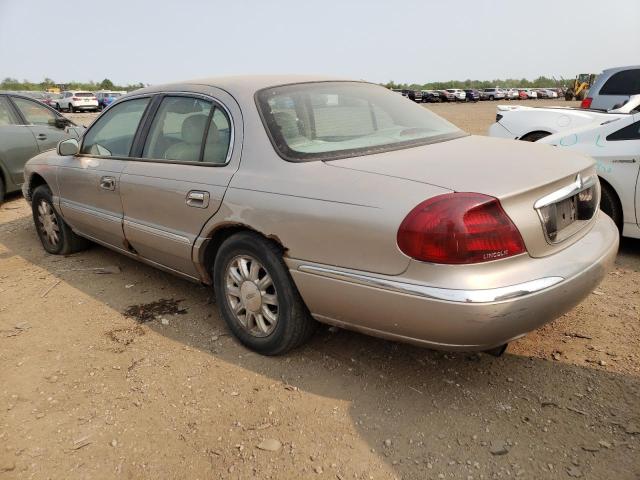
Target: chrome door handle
x,y
198,199
42,136
108,183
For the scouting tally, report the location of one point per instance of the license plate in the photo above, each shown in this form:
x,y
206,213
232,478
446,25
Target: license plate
x,y
566,212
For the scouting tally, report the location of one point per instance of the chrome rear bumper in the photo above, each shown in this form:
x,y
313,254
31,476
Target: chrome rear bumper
x,y
450,318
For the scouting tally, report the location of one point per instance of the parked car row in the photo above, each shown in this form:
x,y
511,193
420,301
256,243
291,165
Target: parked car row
x,y
75,100
474,95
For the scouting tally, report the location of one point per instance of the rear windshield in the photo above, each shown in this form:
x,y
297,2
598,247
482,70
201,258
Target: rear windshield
x,y
113,95
329,120
83,94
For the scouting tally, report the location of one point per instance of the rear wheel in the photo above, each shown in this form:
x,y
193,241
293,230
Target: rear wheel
x,y
257,297
610,204
55,235
57,106
534,136
70,109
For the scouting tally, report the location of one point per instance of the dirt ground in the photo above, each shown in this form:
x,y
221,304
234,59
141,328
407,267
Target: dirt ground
x,y
88,392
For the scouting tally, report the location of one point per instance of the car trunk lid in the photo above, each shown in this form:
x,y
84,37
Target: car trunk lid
x,y
517,173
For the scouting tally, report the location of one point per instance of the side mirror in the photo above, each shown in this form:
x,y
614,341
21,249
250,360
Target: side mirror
x,y
68,147
60,122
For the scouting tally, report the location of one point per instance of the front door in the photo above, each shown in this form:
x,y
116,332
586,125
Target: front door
x,y
41,120
90,181
186,164
17,144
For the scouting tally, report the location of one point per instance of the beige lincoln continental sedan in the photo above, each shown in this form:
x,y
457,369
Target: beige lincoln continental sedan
x,y
304,200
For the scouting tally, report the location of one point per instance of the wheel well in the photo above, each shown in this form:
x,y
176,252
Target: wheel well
x,y
34,182
612,191
533,134
220,234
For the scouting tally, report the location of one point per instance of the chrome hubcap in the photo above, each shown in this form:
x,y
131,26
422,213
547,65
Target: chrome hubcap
x,y
48,222
251,295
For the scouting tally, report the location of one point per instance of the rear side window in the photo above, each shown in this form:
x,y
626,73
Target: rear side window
x,y
630,132
626,82
187,129
178,129
6,115
34,113
113,132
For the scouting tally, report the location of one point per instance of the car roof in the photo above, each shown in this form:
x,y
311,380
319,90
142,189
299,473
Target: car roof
x,y
244,84
619,69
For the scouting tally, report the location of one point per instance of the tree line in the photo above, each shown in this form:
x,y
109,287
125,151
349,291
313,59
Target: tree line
x,y
106,84
539,82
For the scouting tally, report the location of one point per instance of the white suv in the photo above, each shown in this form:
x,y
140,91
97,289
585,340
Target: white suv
x,y
460,95
73,101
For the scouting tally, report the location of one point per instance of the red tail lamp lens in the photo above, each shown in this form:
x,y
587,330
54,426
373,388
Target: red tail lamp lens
x,y
459,228
586,103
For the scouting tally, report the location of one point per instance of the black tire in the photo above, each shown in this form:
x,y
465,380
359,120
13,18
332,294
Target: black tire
x,y
610,204
2,190
491,97
534,136
294,324
68,242
70,109
57,106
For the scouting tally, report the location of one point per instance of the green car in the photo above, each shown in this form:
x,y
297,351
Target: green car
x,y
27,128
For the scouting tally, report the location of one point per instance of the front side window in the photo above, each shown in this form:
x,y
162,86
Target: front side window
x,y
626,82
34,113
6,115
112,134
329,120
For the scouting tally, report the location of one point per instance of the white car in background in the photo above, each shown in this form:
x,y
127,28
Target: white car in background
x,y
611,138
512,94
76,100
531,93
551,93
460,95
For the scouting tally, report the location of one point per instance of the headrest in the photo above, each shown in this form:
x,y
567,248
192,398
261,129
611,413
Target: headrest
x,y
193,128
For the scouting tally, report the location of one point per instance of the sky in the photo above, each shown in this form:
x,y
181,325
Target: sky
x,y
156,41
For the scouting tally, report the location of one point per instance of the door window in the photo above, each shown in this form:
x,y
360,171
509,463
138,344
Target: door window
x,y
216,147
630,132
178,130
112,134
34,113
626,82
6,115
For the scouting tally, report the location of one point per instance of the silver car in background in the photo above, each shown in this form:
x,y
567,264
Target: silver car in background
x,y
612,88
302,199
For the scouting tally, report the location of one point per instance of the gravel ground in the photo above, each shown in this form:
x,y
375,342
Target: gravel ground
x,y
89,392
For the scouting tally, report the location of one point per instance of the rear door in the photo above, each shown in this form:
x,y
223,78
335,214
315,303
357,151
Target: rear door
x,y
90,181
41,120
17,143
188,155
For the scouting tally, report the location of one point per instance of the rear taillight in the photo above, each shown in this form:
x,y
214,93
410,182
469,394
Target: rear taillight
x,y
458,228
586,103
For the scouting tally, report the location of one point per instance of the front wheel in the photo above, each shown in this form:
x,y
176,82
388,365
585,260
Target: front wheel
x,y
257,297
55,235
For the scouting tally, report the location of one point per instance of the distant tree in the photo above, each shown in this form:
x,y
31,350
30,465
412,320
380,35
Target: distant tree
x,y
106,84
